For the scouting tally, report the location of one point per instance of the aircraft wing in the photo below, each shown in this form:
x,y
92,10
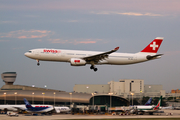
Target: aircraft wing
x,y
19,108
96,58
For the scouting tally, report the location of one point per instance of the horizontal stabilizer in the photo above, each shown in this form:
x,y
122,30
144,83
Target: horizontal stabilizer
x,y
149,57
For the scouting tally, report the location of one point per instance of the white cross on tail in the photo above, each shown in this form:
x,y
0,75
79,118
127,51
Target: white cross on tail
x,y
154,46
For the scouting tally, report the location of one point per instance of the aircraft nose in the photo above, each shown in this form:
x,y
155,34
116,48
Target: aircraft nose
x,y
26,54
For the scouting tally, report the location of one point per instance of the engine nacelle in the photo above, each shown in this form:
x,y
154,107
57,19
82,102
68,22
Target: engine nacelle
x,y
77,62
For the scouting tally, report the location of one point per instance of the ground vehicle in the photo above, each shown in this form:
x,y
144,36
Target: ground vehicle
x,y
10,113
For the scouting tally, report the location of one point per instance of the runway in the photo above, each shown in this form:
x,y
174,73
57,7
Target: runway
x,y
176,114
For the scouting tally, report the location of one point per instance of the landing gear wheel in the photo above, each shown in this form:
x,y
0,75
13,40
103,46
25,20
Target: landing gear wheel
x,y
38,62
92,67
95,69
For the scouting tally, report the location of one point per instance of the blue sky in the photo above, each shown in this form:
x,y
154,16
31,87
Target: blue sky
x,y
99,25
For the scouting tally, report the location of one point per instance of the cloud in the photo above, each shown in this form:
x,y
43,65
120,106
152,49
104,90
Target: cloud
x,y
41,34
164,6
23,34
85,41
170,53
4,40
126,13
8,22
72,21
18,48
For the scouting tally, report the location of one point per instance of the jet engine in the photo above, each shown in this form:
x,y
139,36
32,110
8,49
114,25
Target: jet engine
x,y
77,62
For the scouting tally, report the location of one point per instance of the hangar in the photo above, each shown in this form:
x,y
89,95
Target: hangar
x,y
14,94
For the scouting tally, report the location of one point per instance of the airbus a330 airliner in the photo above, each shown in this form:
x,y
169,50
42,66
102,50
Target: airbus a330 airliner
x,y
81,58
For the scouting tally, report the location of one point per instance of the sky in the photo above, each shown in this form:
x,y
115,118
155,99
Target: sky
x,y
95,25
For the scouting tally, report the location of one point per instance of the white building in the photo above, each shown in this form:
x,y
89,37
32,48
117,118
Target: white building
x,y
127,86
124,88
154,91
90,88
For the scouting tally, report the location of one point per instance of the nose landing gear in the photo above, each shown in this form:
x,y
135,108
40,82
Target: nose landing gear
x,y
38,62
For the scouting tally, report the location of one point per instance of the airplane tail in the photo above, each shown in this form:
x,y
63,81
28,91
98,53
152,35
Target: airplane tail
x,y
28,105
158,104
153,47
148,102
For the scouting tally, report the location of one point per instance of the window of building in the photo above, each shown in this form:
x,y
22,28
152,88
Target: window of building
x,y
9,76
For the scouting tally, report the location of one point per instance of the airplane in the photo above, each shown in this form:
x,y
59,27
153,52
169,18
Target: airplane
x,y
148,109
33,108
62,109
81,58
12,107
44,108
148,102
168,107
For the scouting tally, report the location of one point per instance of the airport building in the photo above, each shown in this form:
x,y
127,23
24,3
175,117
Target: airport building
x,y
14,94
154,90
125,88
92,88
175,91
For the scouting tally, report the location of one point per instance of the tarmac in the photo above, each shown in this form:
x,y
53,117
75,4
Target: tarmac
x,y
166,114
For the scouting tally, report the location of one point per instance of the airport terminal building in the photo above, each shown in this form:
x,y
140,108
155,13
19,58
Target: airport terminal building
x,y
14,94
124,88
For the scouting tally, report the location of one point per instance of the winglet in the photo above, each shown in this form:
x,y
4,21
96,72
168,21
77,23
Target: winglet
x,y
117,48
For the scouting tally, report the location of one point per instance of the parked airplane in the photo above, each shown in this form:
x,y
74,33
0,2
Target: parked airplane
x,y
42,109
12,107
168,107
81,58
148,102
148,109
45,108
34,108
62,109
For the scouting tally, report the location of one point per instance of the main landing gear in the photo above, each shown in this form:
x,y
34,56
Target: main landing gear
x,y
38,62
94,68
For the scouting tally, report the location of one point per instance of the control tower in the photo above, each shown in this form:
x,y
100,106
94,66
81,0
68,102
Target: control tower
x,y
9,77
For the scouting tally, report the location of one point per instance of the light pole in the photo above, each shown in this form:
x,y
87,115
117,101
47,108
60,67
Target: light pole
x,y
110,99
15,97
54,97
132,98
32,97
87,88
93,100
141,97
5,98
43,97
70,98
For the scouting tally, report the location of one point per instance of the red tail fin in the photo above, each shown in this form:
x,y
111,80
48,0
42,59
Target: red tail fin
x,y
153,46
158,104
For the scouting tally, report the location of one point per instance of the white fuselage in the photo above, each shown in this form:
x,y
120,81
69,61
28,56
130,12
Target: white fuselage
x,y
145,108
62,109
12,107
61,55
23,107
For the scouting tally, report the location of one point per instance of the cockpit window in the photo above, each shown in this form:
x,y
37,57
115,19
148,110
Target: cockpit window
x,y
30,51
